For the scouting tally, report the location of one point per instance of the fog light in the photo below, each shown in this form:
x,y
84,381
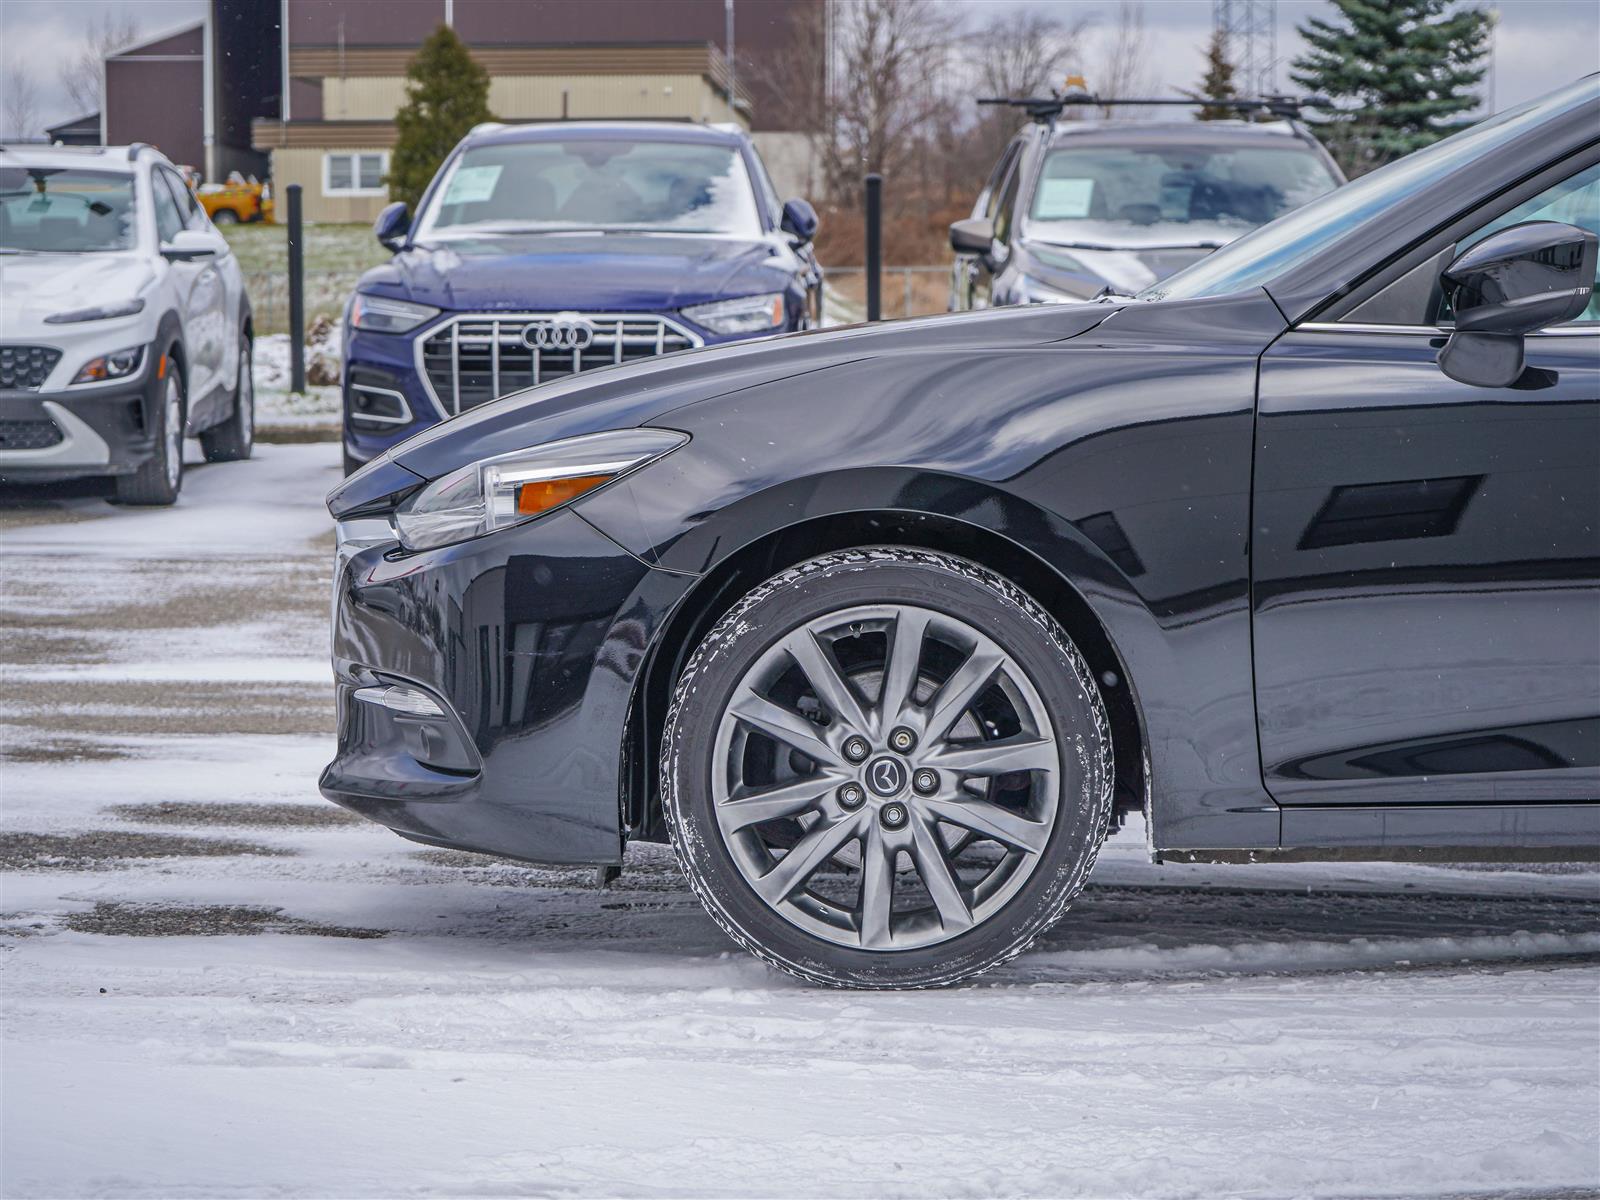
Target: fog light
x,y
410,701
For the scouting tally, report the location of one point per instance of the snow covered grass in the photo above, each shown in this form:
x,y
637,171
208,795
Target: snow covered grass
x,y
208,993
276,405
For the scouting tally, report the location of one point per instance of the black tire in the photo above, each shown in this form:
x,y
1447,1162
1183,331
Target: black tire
x,y
224,216
1033,644
160,479
235,438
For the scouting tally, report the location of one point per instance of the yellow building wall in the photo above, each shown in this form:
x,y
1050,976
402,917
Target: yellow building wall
x,y
538,97
303,165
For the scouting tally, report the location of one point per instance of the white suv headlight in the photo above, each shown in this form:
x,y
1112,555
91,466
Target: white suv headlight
x,y
748,314
511,488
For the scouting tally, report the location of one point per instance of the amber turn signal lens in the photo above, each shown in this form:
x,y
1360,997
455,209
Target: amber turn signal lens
x,y
535,498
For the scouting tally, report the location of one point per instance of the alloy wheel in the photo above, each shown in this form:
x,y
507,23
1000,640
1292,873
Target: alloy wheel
x,y
885,777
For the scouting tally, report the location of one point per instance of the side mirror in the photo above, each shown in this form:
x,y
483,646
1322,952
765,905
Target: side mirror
x,y
975,235
1514,282
392,225
190,244
799,221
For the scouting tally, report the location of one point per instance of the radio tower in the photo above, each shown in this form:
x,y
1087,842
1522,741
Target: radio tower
x,y
1249,31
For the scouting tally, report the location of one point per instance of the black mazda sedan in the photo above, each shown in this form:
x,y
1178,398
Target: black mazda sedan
x,y
886,627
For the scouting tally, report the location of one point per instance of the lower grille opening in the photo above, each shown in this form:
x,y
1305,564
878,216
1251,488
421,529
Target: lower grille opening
x,y
36,433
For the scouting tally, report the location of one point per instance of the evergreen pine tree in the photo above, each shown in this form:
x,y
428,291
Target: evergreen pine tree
x,y
447,93
1217,82
1398,72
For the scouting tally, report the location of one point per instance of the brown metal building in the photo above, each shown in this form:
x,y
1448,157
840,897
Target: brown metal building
x,y
344,65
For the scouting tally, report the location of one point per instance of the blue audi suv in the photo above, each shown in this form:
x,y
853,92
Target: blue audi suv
x,y
543,251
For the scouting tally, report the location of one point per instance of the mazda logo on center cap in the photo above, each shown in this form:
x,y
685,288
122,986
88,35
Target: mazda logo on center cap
x,y
886,776
558,333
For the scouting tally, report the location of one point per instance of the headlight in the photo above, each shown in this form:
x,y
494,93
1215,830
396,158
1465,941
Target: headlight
x,y
511,488
377,314
1031,291
748,314
111,366
102,312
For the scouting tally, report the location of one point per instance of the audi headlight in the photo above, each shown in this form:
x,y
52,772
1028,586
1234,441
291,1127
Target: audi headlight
x,y
117,365
511,488
748,314
379,314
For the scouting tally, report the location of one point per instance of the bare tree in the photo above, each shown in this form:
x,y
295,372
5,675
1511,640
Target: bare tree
x,y
1124,72
19,98
83,72
1022,52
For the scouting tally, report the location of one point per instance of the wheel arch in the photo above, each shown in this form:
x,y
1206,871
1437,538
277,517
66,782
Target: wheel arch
x,y
715,592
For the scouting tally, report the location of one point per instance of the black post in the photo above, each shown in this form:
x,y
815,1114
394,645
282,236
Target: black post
x,y
297,293
874,246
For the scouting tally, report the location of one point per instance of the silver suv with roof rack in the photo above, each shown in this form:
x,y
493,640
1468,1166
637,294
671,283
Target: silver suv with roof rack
x,y
1076,209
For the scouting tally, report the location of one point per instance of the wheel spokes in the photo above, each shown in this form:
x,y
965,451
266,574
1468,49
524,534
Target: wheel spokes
x,y
819,844
771,804
1000,757
900,668
784,725
964,686
989,820
823,673
877,889
938,876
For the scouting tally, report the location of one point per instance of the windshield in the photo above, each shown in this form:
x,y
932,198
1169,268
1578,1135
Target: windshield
x,y
675,187
62,210
1262,256
1172,195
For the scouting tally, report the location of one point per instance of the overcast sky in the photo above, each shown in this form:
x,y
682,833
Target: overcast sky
x,y
1539,43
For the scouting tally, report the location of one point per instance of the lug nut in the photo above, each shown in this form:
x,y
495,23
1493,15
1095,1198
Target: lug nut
x,y
856,748
925,781
893,816
851,796
902,739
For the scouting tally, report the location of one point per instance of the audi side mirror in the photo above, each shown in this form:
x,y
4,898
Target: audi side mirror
x,y
975,235
392,225
1519,280
188,245
799,221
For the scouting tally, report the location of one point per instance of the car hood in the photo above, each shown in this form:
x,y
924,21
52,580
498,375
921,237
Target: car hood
x,y
584,271
35,286
651,390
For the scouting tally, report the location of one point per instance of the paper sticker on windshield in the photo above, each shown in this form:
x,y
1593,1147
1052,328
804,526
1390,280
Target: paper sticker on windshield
x,y
1064,199
472,185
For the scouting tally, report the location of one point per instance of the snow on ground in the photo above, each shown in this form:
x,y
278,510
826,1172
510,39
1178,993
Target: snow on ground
x,y
216,984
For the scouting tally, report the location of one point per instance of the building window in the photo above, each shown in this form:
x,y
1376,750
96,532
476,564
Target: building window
x,y
354,174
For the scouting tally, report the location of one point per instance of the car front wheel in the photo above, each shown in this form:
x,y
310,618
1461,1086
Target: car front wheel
x,y
159,480
886,767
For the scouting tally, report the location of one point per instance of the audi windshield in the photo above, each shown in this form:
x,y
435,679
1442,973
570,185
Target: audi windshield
x,y
593,184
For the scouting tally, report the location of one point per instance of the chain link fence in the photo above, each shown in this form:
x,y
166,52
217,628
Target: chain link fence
x,y
326,293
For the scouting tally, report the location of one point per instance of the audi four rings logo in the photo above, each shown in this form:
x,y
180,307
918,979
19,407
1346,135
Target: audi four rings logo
x,y
561,333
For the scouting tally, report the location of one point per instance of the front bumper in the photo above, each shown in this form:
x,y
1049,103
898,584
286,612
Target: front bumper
x,y
530,640
104,430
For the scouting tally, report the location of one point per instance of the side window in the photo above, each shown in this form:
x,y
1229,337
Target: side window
x,y
1573,201
168,219
1006,205
997,181
1416,297
194,217
767,193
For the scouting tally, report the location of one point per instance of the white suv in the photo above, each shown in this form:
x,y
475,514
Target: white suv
x,y
124,323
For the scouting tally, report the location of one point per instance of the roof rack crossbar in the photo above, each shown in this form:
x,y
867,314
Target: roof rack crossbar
x,y
1046,109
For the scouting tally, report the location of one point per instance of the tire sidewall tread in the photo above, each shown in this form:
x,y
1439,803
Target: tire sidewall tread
x,y
1057,881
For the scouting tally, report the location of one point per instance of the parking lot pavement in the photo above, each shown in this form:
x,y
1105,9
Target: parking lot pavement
x,y
216,983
